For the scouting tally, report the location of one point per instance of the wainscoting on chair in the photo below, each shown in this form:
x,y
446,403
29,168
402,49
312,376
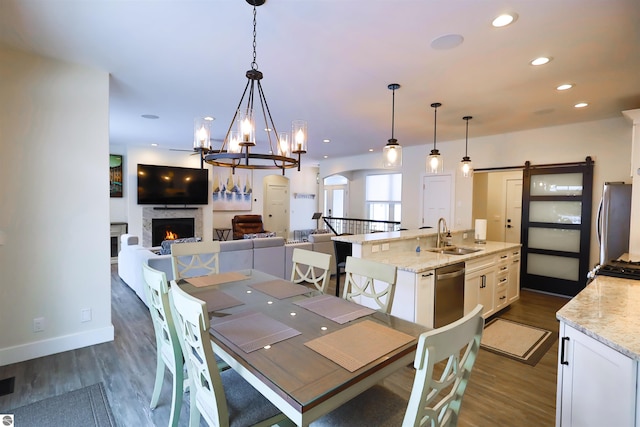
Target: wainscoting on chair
x,y
195,259
221,398
168,350
362,278
435,400
312,268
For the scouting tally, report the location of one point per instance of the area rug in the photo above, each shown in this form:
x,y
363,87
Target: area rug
x,y
517,341
85,407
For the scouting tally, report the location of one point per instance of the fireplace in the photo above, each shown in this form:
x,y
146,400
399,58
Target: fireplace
x,y
171,229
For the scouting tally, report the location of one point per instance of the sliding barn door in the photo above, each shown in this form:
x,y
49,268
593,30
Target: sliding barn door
x,y
556,227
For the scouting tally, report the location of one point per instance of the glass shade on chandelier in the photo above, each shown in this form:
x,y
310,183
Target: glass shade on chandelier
x,y
299,136
392,152
466,167
202,133
434,159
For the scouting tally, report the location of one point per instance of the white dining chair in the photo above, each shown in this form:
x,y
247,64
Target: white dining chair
x,y
168,350
371,280
435,399
221,398
312,268
192,259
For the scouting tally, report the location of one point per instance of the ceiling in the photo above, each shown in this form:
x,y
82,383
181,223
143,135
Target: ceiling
x,y
330,62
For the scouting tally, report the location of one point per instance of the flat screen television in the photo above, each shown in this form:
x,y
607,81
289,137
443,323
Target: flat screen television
x,y
172,185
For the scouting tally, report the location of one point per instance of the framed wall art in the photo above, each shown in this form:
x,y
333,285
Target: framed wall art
x,y
232,192
115,175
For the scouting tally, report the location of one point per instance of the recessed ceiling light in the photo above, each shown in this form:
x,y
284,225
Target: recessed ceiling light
x,y
150,116
540,61
565,86
504,20
326,141
325,156
209,118
370,149
448,41
153,144
581,105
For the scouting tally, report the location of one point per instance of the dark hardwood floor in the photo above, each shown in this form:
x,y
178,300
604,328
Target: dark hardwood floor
x,y
501,392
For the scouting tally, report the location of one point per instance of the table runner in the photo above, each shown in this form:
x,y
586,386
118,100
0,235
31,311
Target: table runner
x,y
337,309
216,279
281,289
251,330
358,345
217,299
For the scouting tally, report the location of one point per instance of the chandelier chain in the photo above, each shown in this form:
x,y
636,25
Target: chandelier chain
x,y
254,64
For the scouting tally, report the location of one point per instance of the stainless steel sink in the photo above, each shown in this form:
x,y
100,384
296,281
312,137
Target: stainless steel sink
x,y
453,250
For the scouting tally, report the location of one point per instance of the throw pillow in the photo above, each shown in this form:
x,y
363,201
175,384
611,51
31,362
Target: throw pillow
x,y
258,235
165,246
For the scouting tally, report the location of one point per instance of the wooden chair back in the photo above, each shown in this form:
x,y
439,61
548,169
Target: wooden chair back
x,y
311,267
366,279
195,259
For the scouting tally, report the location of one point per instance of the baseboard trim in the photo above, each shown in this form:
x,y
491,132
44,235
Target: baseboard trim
x,y
32,350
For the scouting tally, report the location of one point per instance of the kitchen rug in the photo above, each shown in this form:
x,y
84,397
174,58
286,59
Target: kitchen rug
x,y
524,343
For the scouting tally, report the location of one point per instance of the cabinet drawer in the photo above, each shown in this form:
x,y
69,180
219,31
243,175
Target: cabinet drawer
x,y
501,298
480,263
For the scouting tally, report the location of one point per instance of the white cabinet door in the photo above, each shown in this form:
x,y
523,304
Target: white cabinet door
x,y
596,384
478,289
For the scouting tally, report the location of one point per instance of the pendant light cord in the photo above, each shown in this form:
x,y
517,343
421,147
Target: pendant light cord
x,y
393,112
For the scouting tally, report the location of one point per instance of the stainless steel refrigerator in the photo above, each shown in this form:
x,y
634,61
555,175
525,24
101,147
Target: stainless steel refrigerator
x,y
613,221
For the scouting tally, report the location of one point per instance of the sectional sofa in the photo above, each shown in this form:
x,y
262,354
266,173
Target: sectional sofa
x,y
269,254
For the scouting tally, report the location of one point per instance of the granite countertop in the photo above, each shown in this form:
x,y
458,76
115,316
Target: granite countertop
x,y
418,262
608,310
388,236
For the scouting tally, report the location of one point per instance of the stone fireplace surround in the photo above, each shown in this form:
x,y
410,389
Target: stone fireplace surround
x,y
150,213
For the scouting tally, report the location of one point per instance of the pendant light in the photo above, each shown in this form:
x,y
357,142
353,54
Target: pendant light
x,y
392,151
466,167
434,160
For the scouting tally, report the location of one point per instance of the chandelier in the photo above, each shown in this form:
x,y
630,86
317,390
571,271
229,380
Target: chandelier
x,y
235,151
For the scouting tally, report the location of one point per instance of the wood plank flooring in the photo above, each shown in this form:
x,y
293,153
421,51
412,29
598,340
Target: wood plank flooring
x,y
501,392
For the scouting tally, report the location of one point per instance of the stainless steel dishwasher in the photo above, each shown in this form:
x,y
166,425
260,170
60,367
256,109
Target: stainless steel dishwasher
x,y
449,294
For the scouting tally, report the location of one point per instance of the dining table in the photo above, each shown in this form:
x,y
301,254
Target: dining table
x,y
306,352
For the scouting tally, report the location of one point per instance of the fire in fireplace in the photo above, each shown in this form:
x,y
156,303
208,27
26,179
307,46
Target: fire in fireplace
x,y
171,229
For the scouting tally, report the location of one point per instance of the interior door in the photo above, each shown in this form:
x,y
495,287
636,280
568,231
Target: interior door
x,y
513,211
276,205
556,227
436,200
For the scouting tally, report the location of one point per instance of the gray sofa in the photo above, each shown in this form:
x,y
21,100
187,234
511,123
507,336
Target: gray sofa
x,y
269,254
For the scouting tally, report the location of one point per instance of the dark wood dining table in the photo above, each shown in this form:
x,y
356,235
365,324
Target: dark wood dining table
x,y
300,381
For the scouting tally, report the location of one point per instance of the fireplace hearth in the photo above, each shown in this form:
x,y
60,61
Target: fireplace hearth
x,y
171,229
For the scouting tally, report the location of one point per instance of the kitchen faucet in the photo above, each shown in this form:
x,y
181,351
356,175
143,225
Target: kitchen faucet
x,y
442,232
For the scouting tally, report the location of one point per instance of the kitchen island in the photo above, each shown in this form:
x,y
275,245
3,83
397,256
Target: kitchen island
x,y
598,355
492,272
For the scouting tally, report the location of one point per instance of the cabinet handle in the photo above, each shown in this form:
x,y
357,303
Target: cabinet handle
x,y
503,256
427,275
503,268
503,280
562,361
502,297
484,281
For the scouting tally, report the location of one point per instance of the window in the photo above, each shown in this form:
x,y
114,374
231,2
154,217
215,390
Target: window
x,y
384,197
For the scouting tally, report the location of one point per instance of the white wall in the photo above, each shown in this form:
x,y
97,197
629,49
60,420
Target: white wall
x,y
608,142
54,215
127,209
634,241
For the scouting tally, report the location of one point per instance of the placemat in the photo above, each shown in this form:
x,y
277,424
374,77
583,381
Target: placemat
x,y
217,299
251,330
216,279
337,309
281,288
360,344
